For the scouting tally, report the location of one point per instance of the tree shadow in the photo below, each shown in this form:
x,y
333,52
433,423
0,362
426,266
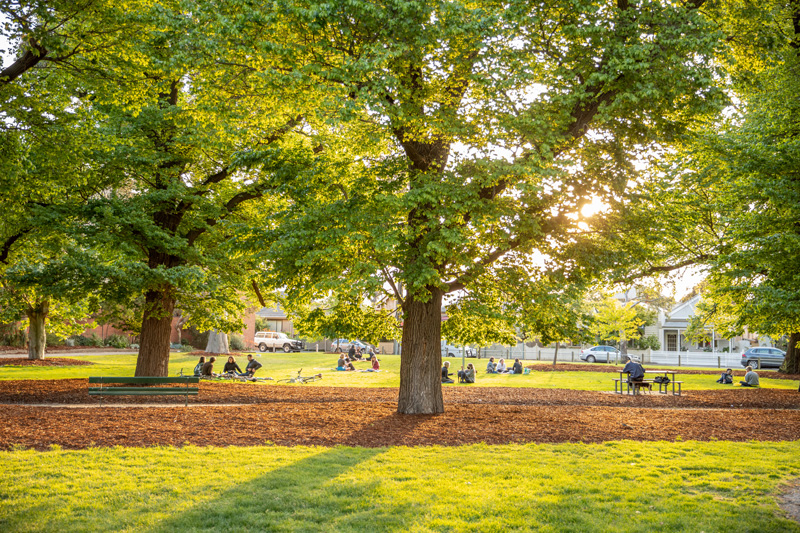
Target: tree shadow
x,y
323,492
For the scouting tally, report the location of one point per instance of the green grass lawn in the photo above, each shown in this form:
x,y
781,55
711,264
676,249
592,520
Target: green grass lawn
x,y
617,486
280,365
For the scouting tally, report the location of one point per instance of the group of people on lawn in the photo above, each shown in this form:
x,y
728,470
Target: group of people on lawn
x,y
467,375
345,362
206,368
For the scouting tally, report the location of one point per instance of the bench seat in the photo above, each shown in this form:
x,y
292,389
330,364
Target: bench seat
x,y
147,386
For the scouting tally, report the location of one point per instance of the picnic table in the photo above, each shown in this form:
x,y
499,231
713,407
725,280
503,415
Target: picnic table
x,y
663,388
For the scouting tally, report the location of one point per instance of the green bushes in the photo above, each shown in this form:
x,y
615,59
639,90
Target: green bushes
x,y
117,341
236,342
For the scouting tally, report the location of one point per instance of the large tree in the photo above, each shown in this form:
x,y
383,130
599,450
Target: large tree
x,y
726,198
480,131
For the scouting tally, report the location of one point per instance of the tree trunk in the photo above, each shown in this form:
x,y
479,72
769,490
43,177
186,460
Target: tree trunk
x,y
156,330
791,365
217,342
421,361
555,356
37,336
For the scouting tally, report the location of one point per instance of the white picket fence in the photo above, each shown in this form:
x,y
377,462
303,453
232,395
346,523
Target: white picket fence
x,y
566,355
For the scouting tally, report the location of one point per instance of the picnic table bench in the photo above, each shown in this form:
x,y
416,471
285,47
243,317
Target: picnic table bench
x,y
142,386
663,388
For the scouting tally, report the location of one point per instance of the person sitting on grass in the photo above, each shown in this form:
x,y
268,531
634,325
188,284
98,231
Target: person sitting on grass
x,y
750,378
198,369
468,375
501,366
348,364
208,368
517,368
351,353
340,364
726,378
490,366
375,364
231,367
446,373
252,366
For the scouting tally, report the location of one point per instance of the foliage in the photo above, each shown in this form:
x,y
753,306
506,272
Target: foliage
x,y
346,319
117,341
616,321
12,335
647,342
236,342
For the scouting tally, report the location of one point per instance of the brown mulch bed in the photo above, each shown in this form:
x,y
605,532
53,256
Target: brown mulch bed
x,y
59,349
226,414
53,361
615,369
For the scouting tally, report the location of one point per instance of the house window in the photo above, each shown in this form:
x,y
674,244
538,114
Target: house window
x,y
672,342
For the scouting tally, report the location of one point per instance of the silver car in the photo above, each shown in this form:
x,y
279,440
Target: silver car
x,y
763,357
603,354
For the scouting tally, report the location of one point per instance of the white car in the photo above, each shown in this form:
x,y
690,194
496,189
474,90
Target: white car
x,y
272,340
448,350
603,354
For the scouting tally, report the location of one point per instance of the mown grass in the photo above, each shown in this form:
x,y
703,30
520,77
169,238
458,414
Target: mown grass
x,y
280,365
617,486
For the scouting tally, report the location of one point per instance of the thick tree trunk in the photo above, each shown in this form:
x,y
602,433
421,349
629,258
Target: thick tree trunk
x,y
791,365
156,331
217,342
37,336
421,361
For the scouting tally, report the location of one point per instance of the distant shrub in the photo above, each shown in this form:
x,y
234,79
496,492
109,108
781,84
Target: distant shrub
x,y
12,335
94,340
236,342
117,341
200,340
51,339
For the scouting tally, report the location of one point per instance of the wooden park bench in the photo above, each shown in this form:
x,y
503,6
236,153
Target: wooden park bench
x,y
142,386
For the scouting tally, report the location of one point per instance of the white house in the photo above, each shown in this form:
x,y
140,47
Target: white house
x,y
671,328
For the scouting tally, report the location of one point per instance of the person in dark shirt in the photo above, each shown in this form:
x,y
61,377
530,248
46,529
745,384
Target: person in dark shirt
x,y
351,353
634,370
231,367
198,369
446,373
252,366
208,368
517,368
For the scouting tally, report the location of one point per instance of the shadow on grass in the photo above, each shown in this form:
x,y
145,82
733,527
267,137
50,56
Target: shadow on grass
x,y
312,494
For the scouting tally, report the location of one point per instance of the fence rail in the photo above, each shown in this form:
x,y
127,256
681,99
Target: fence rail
x,y
572,354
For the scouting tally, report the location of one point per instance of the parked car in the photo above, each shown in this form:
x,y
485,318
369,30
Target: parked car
x,y
763,357
449,350
343,345
272,340
602,354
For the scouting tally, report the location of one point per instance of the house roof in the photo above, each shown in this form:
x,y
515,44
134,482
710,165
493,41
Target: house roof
x,y
683,311
271,312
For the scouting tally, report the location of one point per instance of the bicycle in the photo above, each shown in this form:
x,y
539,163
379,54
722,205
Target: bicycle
x,y
300,378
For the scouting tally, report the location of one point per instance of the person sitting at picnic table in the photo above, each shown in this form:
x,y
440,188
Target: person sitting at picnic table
x,y
726,378
468,375
750,378
634,370
231,367
490,366
517,368
198,369
340,364
501,366
446,373
208,368
252,366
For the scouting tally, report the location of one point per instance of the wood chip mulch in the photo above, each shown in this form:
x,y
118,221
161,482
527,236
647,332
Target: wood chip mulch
x,y
52,361
225,414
